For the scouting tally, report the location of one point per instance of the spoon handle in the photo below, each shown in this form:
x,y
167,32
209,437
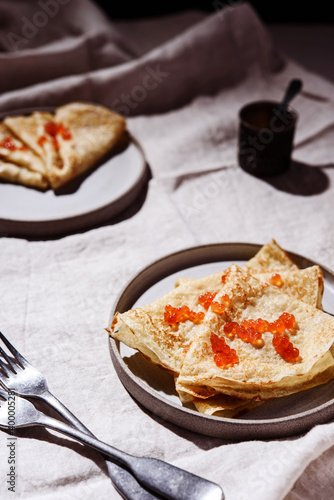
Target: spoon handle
x,y
292,90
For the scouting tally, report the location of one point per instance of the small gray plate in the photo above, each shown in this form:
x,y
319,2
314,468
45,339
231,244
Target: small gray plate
x,y
154,388
91,199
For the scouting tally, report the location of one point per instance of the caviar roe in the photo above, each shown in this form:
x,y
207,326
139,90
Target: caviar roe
x,y
8,143
289,321
41,140
251,331
54,129
226,300
246,331
276,280
230,329
224,278
207,300
285,348
176,315
224,356
51,128
218,308
277,326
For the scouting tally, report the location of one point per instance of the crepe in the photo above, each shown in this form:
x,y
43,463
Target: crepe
x,y
18,163
271,257
304,284
225,406
94,130
30,130
247,292
20,175
14,150
233,406
260,373
146,330
64,144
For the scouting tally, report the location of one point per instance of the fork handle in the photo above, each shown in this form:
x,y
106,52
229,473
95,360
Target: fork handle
x,y
164,479
124,482
61,409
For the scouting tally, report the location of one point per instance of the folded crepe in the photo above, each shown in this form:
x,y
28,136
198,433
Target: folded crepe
x,y
146,329
185,348
225,406
19,164
69,141
303,284
19,175
260,372
274,266
93,132
270,257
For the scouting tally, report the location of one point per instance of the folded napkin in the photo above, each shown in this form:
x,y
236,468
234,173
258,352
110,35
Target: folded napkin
x,y
180,80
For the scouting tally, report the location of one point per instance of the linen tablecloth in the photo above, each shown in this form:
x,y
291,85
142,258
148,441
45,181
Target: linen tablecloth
x,y
180,81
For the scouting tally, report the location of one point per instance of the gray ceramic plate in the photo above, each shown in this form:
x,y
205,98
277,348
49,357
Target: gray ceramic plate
x,y
103,192
154,388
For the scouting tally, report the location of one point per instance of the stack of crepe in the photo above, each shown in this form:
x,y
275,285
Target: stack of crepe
x,y
261,374
46,150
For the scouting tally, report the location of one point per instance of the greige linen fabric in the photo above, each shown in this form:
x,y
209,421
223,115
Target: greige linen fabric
x,y
180,82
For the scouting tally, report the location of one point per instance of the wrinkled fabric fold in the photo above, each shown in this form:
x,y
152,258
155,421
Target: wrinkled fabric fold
x,y
166,77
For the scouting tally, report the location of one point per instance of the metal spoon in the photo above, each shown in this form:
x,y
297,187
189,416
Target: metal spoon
x,y
293,88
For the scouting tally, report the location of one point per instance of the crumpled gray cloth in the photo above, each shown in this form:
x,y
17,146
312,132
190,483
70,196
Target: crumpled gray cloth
x,y
80,55
180,81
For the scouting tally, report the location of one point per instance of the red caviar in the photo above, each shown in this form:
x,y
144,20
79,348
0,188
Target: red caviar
x,y
8,143
276,280
176,315
224,356
251,330
289,320
53,129
226,300
261,325
224,278
218,308
247,332
277,326
206,299
65,133
285,348
41,140
230,329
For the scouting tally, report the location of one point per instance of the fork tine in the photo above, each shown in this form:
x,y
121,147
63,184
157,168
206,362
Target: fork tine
x,y
7,358
14,351
4,368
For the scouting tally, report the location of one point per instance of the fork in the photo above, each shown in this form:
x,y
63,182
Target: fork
x,y
163,478
21,377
